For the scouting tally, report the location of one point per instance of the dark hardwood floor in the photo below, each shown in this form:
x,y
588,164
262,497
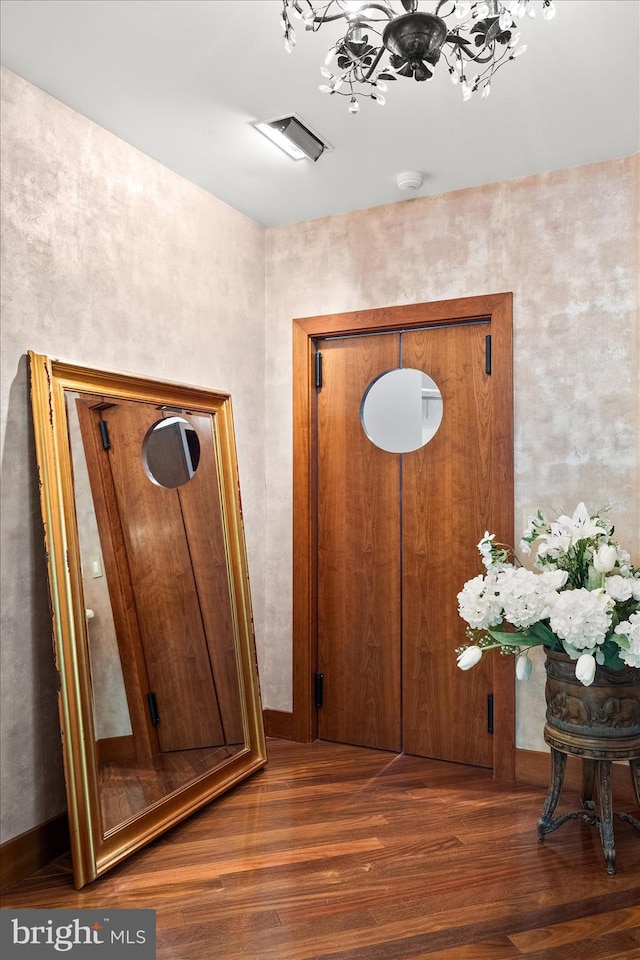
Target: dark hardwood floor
x,y
351,854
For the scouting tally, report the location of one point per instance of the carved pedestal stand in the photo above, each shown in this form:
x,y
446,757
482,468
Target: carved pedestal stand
x,y
594,770
599,724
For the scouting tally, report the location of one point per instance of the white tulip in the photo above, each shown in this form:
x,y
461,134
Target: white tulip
x,y
523,667
586,669
469,657
604,559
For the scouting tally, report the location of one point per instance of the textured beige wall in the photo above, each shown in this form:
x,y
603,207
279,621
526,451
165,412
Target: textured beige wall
x,y
109,260
566,244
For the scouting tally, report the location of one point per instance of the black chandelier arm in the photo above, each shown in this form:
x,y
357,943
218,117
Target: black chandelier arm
x,y
375,63
441,4
451,3
321,18
383,8
355,73
371,28
478,58
318,19
358,58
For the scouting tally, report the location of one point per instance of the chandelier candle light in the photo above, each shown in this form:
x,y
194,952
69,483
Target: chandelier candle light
x,y
383,42
585,603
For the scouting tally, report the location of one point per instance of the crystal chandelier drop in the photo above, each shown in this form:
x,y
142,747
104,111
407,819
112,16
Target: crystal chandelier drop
x,y
381,42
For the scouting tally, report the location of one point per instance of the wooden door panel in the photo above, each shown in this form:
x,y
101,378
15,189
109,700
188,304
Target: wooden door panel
x,y
447,495
358,553
116,567
171,628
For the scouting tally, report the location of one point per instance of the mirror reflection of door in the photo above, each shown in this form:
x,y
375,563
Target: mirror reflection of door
x,y
155,497
171,452
396,539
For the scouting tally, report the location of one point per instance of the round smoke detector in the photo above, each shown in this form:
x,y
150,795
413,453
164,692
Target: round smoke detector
x,y
411,180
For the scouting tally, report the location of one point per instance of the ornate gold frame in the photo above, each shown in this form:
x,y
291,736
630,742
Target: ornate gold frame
x,y
92,852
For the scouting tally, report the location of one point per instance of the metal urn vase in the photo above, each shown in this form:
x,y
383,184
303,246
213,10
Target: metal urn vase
x,y
601,720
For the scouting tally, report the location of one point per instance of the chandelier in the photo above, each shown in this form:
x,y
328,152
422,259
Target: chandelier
x,y
381,43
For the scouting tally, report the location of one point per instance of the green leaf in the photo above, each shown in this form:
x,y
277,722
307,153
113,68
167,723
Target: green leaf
x,y
544,635
594,579
509,639
622,640
610,651
613,661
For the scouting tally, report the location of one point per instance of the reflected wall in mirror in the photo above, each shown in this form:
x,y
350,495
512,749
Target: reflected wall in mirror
x,y
159,697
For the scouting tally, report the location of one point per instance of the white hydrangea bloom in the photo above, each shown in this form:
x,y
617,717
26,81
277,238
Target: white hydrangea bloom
x,y
581,617
521,595
631,630
478,603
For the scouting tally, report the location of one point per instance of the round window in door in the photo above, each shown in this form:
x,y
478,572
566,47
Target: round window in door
x,y
401,410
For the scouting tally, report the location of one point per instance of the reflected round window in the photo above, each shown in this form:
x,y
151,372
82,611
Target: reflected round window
x,y
401,410
171,452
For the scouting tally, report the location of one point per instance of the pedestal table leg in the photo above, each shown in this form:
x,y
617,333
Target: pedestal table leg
x,y
605,811
588,777
634,766
558,764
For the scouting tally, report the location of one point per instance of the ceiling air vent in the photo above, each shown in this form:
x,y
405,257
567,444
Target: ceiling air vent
x,y
294,136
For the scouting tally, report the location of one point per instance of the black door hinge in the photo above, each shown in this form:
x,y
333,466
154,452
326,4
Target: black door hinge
x,y
318,686
318,369
487,353
104,433
490,713
153,709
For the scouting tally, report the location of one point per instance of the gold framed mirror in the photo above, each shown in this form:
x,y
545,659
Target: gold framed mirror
x,y
153,634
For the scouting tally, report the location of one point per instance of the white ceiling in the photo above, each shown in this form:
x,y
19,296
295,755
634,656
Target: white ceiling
x,y
182,80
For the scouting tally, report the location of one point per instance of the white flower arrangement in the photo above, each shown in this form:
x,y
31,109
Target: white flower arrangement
x,y
585,602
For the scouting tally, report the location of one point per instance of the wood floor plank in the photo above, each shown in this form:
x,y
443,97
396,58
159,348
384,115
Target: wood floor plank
x,y
499,949
574,931
334,852
613,946
617,948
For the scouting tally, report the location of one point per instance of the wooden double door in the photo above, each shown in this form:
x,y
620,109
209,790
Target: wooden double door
x,y
396,540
